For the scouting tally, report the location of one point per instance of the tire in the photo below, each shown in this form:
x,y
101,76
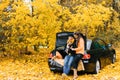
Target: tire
x,y
97,67
113,58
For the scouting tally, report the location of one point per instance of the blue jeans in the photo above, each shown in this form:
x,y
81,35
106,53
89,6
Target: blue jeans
x,y
67,63
76,60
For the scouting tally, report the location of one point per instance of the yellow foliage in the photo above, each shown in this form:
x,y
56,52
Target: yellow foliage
x,y
91,16
40,28
48,17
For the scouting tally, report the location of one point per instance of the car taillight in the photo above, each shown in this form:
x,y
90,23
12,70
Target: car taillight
x,y
86,56
51,55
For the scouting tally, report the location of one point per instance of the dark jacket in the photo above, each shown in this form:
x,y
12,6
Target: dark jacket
x,y
73,46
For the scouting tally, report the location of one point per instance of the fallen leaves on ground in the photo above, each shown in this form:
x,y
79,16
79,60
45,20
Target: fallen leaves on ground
x,y
35,67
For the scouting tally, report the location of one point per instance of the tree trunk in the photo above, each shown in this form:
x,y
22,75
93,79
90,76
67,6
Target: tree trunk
x,y
116,5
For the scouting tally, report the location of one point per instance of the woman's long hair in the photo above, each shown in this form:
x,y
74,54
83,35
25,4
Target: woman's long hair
x,y
80,35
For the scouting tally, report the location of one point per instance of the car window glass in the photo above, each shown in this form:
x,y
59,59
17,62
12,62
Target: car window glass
x,y
96,45
101,43
61,42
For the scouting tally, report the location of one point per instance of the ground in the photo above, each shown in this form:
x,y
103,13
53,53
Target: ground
x,y
35,67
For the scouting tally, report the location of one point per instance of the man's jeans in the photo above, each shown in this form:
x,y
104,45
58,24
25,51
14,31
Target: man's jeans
x,y
77,58
67,63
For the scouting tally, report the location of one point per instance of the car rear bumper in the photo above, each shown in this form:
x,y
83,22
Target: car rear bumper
x,y
54,66
56,69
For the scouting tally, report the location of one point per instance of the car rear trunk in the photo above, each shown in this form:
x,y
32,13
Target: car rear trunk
x,y
61,39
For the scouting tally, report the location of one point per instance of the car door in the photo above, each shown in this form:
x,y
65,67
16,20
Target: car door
x,y
105,57
102,46
98,49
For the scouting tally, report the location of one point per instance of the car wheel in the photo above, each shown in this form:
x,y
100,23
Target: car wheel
x,y
113,58
97,67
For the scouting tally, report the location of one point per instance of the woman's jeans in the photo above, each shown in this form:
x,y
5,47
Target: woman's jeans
x,y
67,63
76,60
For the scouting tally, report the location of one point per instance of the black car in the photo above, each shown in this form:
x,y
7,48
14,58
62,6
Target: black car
x,y
97,53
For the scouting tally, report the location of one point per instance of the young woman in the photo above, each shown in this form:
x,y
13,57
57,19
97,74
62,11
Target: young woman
x,y
70,55
79,52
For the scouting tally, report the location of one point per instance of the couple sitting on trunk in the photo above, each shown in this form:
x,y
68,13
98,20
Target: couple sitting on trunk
x,y
73,53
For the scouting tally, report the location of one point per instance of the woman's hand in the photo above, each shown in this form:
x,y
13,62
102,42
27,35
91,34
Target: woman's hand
x,y
66,51
73,49
54,57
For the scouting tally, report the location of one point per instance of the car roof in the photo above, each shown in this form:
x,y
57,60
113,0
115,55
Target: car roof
x,y
62,34
66,34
